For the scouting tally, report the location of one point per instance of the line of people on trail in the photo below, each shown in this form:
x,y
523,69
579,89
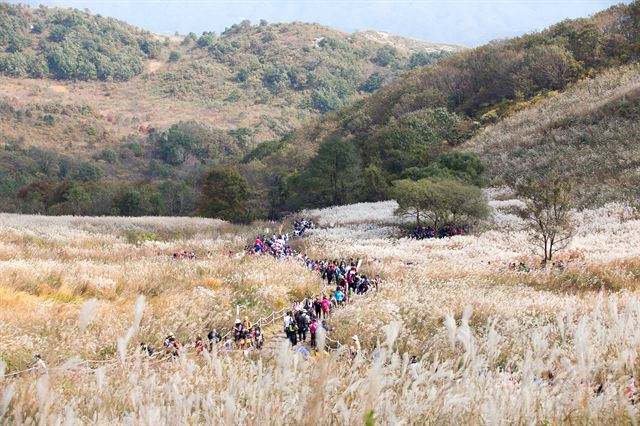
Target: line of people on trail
x,y
427,232
308,316
172,347
346,277
299,323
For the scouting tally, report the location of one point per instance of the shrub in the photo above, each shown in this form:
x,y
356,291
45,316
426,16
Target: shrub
x,y
174,56
373,82
88,172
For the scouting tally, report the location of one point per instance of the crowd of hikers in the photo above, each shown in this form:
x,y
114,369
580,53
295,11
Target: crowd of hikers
x,y
342,280
246,335
426,232
300,323
311,314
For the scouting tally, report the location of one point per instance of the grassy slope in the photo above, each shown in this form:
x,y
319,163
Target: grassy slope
x,y
589,132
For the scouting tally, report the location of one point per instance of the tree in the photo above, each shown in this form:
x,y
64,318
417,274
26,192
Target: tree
x,y
549,202
334,173
464,165
130,202
440,202
375,186
408,195
77,199
385,56
226,196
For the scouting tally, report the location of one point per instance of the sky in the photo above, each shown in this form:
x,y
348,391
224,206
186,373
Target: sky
x,y
465,22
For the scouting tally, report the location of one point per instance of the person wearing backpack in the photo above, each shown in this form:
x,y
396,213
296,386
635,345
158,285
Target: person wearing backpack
x,y
288,319
303,326
293,332
258,337
317,306
248,331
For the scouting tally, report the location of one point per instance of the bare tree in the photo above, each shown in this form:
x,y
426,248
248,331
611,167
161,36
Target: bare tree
x,y
549,202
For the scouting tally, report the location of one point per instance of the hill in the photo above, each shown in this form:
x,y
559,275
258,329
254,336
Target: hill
x,y
424,123
267,77
81,92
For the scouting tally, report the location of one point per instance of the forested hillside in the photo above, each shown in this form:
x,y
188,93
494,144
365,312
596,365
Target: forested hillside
x,y
71,45
100,117
420,125
213,112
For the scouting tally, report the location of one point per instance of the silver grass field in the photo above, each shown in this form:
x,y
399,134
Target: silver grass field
x,y
493,346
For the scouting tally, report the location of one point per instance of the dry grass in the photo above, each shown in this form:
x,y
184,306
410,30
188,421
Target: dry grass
x,y
588,132
493,346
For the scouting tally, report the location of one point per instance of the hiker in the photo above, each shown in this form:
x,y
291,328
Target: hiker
x,y
39,366
258,337
238,332
148,349
376,282
172,345
199,345
288,319
293,332
306,304
355,347
303,326
317,306
312,329
258,246
247,330
326,305
630,391
214,337
363,286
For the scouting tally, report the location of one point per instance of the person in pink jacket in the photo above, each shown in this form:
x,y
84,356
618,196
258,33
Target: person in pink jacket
x,y
326,305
